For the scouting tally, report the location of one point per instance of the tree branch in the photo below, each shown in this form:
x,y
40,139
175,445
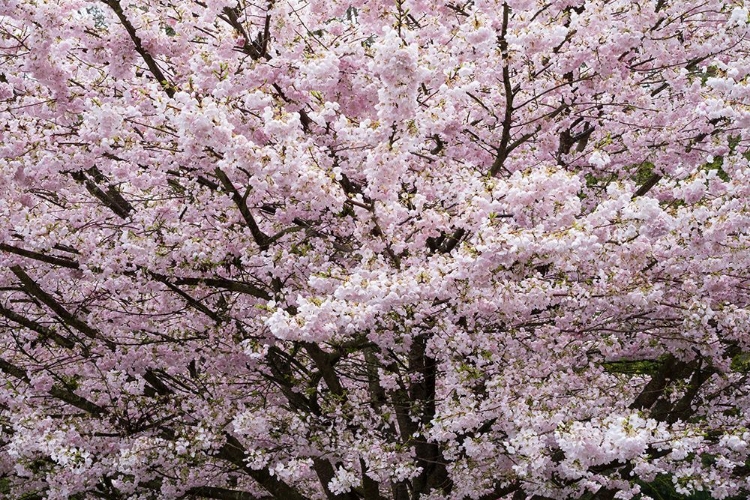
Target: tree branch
x,y
147,58
234,453
222,493
56,391
260,237
646,187
48,259
43,331
34,290
502,150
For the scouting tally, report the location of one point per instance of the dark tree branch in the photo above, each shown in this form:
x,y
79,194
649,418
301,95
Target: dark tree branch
x,y
41,257
195,304
111,199
500,490
326,473
646,187
234,453
43,331
502,150
34,290
226,284
56,391
222,494
147,58
260,237
670,369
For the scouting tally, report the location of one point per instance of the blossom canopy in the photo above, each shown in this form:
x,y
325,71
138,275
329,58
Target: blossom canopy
x,y
376,250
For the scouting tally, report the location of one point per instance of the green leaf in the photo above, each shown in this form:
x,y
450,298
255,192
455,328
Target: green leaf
x,y
635,367
741,362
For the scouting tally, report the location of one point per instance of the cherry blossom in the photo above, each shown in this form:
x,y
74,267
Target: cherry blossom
x,y
374,250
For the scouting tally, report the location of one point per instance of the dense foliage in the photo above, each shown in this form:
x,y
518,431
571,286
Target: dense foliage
x,y
401,249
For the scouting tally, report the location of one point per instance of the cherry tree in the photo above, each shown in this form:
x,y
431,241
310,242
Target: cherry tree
x,y
399,249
